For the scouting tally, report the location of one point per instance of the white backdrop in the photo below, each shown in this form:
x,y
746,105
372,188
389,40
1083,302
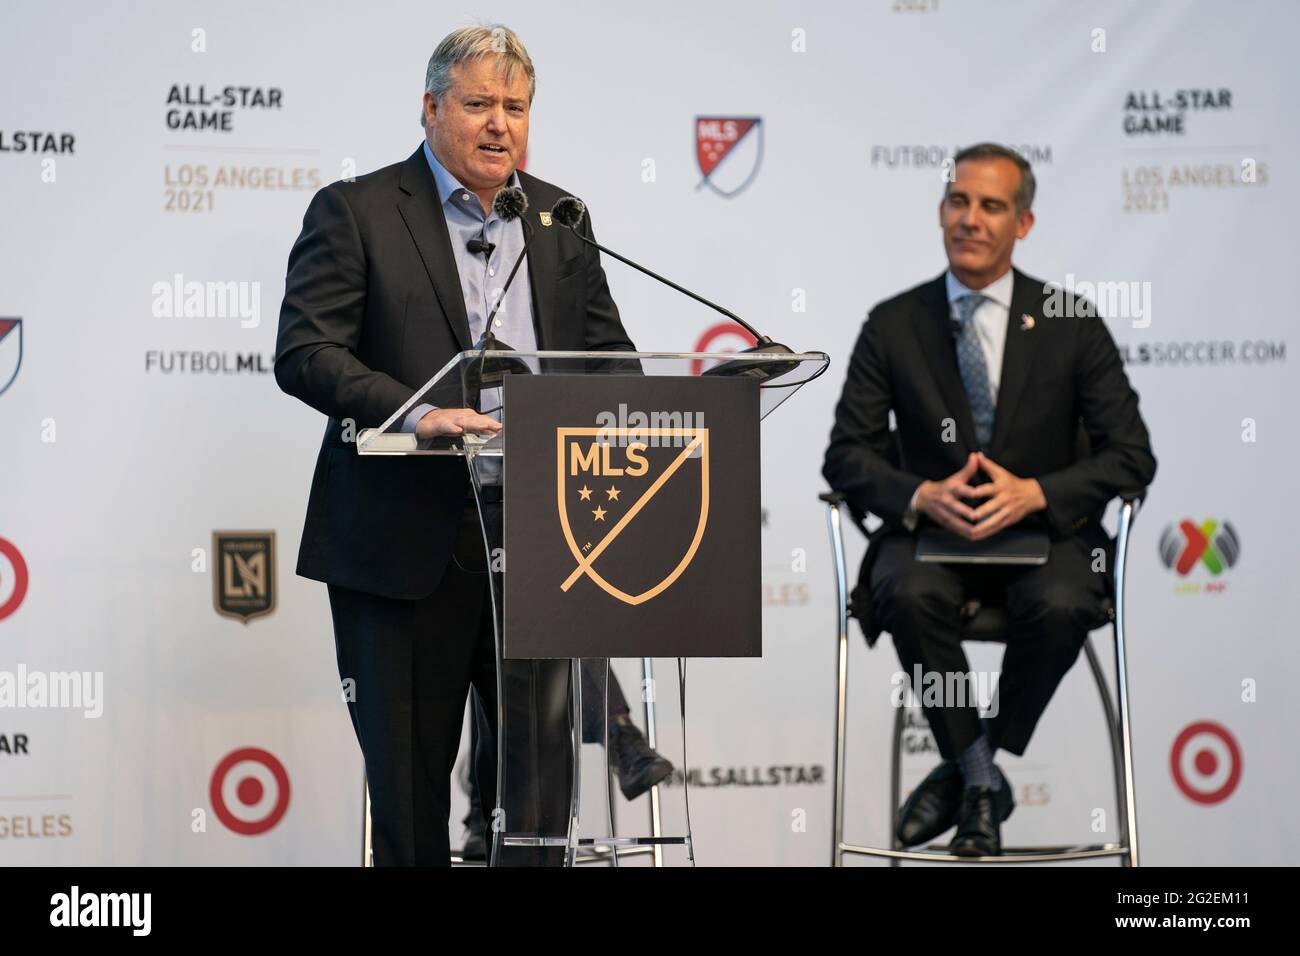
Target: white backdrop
x,y
120,461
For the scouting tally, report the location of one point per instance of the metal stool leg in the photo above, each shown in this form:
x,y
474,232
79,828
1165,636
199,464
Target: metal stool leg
x,y
841,682
1126,513
1112,737
896,781
367,851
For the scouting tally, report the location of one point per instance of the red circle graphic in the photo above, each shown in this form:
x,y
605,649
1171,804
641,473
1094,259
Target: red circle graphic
x,y
713,332
10,551
1205,762
249,791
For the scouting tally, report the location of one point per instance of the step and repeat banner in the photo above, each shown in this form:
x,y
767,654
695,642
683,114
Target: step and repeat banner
x,y
168,686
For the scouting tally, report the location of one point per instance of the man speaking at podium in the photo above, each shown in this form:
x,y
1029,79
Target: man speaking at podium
x,y
988,388
392,275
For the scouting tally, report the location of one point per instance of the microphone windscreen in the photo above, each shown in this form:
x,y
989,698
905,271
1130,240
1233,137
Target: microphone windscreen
x,y
510,203
569,211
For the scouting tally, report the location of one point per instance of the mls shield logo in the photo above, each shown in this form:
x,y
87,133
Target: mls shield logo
x,y
243,582
11,351
729,150
633,505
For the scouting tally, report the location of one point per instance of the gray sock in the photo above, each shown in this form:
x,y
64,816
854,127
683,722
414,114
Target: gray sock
x,y
977,764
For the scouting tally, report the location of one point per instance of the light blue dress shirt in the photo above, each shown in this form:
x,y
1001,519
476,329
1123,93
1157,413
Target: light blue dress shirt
x,y
483,276
990,320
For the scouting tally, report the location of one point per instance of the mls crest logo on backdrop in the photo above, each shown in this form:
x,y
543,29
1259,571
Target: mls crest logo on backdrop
x,y
606,478
11,351
243,581
728,150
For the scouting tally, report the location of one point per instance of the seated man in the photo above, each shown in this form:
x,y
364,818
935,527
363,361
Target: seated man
x,y
988,373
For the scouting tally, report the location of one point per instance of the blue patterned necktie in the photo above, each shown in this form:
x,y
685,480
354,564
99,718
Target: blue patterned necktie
x,y
974,369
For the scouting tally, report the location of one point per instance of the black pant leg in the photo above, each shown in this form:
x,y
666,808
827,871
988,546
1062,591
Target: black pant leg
x,y
412,663
538,744
919,604
593,692
617,702
482,763
1052,608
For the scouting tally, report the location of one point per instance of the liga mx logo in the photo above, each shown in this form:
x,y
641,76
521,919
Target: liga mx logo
x,y
729,150
1213,544
11,351
633,505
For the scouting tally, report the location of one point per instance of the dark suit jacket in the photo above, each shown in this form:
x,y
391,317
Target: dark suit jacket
x,y
1059,373
373,308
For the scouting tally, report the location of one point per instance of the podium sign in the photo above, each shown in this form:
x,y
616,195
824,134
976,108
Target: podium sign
x,y
632,517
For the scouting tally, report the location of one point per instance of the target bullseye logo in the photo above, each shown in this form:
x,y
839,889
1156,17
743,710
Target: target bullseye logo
x,y
249,791
13,578
1206,762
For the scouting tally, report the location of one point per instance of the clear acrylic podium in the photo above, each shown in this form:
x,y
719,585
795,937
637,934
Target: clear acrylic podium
x,y
475,379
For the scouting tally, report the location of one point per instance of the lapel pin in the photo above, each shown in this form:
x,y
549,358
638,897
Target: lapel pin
x,y
1026,322
545,217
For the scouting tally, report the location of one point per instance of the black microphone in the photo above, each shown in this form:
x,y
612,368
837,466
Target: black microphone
x,y
569,211
479,246
510,203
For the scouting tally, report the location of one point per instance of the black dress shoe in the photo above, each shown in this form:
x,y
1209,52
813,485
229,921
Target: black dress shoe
x,y
935,805
639,768
932,807
475,848
978,830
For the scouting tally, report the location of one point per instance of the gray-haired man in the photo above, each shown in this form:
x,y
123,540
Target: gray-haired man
x,y
382,290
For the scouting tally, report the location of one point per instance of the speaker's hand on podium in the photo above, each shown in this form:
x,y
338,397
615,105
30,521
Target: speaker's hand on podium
x,y
444,422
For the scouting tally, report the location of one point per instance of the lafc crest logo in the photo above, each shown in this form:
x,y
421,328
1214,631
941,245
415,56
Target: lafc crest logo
x,y
243,581
633,505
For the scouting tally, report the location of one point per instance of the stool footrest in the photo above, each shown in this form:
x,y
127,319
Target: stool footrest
x,y
594,841
1012,854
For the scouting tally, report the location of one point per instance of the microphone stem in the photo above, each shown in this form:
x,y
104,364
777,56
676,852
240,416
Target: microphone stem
x,y
762,339
528,240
